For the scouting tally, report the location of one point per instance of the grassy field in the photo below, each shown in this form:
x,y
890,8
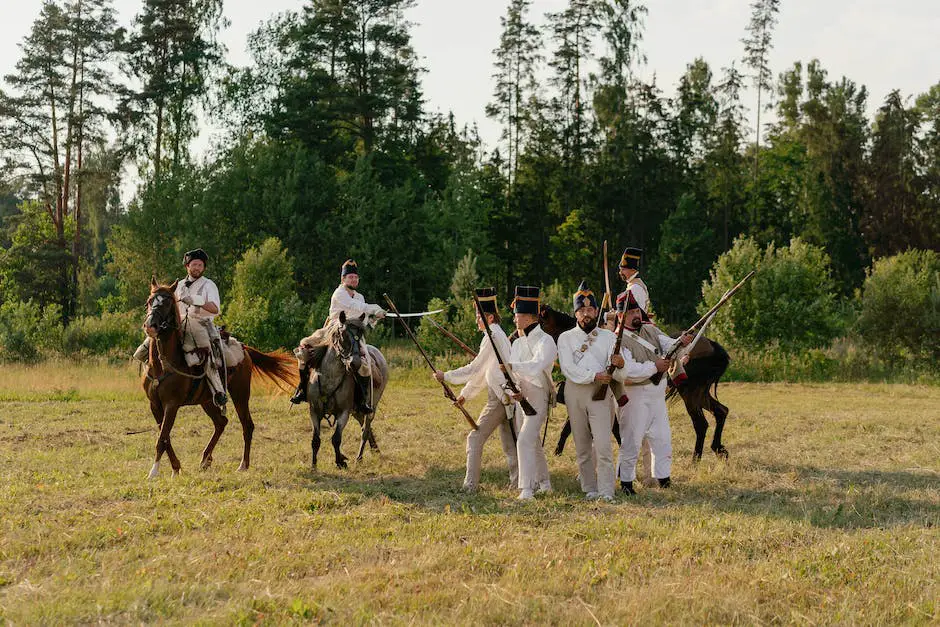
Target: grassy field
x,y
826,512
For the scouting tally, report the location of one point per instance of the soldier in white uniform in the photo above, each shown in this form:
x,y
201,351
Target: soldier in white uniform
x,y
347,300
584,353
531,362
645,415
199,303
483,373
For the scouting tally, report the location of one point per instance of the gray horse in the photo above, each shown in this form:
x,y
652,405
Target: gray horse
x,y
332,387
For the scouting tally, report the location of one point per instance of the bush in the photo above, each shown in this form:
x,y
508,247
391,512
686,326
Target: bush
x,y
116,334
900,305
265,310
789,303
27,330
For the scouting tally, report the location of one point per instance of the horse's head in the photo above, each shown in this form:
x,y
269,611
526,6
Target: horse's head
x,y
555,322
352,338
162,312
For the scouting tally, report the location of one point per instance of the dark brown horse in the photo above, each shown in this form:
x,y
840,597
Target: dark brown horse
x,y
171,384
708,362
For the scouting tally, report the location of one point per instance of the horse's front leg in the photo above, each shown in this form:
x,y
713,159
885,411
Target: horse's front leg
x,y
315,420
163,442
721,413
341,421
218,421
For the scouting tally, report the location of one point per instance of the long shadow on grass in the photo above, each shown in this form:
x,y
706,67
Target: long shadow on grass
x,y
823,497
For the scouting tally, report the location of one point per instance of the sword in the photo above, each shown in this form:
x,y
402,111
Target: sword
x,y
412,315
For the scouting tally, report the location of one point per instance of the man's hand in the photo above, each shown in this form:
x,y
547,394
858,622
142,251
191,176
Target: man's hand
x,y
502,368
686,339
380,313
439,375
662,365
616,361
516,396
188,300
602,377
684,360
460,401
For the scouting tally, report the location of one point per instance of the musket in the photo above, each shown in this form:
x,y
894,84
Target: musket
x,y
526,405
451,336
601,392
701,323
448,393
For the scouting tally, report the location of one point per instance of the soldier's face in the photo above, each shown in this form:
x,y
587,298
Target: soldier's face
x,y
195,268
634,319
627,273
523,320
585,315
351,281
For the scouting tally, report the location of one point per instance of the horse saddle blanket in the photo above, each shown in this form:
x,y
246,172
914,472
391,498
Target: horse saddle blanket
x,y
234,351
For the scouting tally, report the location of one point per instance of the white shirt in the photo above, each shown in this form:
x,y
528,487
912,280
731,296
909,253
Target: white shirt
x,y
637,372
582,355
533,357
201,291
639,292
353,304
484,370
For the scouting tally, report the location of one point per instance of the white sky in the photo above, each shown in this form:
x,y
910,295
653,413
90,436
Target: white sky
x,y
882,45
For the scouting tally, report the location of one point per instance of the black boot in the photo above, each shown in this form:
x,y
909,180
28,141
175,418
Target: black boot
x,y
362,395
665,483
627,488
301,394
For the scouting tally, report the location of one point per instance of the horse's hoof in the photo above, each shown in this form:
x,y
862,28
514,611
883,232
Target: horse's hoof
x,y
559,451
722,452
154,471
176,472
341,464
242,468
206,464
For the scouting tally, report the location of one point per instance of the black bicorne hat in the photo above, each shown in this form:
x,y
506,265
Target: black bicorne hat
x,y
631,258
199,254
349,267
584,297
487,298
526,300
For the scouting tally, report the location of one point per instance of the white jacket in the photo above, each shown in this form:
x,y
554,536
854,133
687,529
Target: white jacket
x,y
582,355
483,371
354,305
532,359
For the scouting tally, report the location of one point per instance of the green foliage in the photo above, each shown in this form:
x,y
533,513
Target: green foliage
x,y
35,266
559,298
28,330
265,310
789,303
116,334
900,305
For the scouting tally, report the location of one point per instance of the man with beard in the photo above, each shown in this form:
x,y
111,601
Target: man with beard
x,y
645,415
584,353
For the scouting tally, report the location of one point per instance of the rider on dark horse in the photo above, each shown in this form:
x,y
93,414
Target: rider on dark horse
x,y
346,300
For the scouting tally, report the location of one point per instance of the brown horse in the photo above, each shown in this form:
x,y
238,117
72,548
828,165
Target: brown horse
x,y
171,384
708,363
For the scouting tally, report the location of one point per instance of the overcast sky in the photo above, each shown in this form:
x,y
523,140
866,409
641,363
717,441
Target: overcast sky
x,y
882,45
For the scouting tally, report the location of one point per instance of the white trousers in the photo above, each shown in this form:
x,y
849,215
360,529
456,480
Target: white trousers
x,y
591,422
533,467
645,416
492,417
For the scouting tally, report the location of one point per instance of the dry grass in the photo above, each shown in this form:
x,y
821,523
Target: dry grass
x,y
827,511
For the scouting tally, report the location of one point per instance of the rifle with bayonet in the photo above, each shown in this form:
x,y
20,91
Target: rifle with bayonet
x,y
448,393
701,323
526,405
608,301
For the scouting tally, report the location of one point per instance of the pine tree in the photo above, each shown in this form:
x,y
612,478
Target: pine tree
x,y
757,47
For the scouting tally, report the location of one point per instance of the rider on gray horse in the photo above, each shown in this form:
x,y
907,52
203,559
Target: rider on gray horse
x,y
347,300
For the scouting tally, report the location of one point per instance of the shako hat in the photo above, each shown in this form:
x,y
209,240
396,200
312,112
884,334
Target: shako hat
x,y
350,267
631,258
487,298
526,300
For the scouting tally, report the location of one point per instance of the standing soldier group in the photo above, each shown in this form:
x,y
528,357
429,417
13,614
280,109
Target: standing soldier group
x,y
588,360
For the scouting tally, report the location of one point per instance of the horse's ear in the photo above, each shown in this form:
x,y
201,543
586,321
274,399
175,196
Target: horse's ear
x,y
342,317
173,285
362,317
153,282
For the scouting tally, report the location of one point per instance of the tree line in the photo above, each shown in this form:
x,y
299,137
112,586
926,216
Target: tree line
x,y
329,147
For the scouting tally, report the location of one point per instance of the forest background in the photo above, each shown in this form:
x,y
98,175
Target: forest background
x,y
328,151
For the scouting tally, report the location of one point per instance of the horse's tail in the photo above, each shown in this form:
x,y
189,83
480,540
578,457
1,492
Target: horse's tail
x,y
278,367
